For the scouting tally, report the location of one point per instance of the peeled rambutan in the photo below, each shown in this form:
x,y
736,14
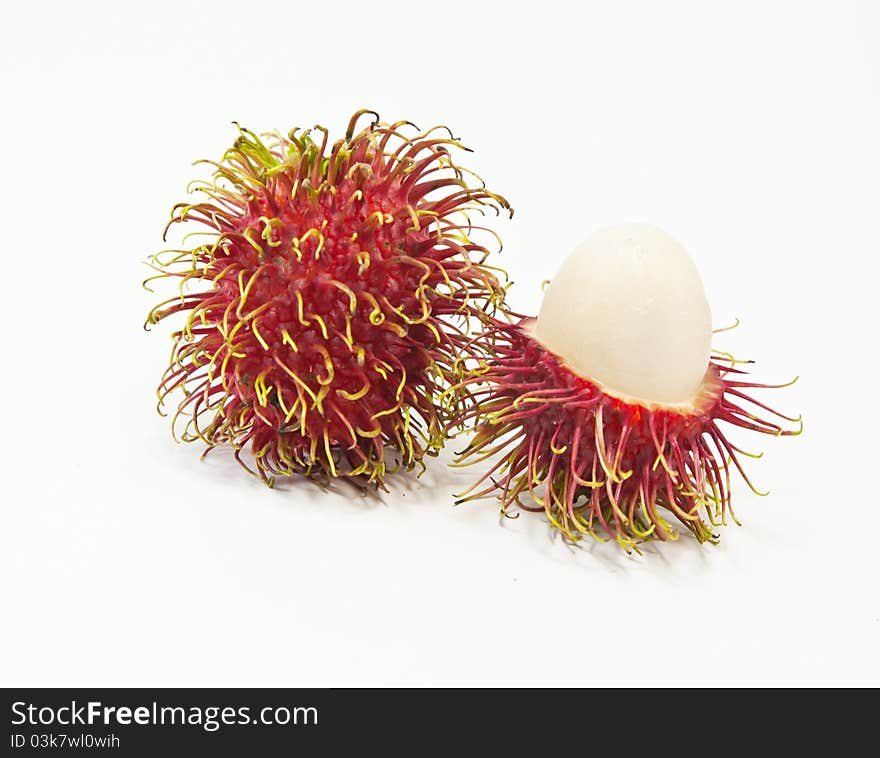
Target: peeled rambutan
x,y
605,412
329,301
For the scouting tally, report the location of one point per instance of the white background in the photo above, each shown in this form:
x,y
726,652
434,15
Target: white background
x,y
748,130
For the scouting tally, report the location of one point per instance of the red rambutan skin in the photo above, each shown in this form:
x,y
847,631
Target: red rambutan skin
x,y
330,305
598,465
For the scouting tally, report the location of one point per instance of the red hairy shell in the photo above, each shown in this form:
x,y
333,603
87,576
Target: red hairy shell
x,y
597,465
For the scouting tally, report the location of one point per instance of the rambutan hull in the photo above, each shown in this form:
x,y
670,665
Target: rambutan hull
x,y
599,465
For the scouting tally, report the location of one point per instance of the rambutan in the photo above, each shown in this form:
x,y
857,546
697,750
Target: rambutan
x,y
329,299
605,411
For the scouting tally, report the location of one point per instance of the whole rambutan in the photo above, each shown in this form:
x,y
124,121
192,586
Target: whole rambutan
x,y
329,299
605,412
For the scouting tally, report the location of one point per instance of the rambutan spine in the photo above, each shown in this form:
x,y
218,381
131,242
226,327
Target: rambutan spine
x,y
332,302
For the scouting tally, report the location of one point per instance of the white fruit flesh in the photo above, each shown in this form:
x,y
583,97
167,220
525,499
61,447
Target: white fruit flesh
x,y
627,310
